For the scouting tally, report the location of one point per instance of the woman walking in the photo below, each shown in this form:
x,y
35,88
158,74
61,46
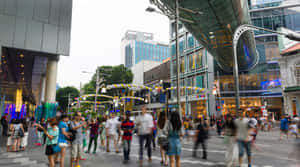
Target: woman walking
x,y
63,136
52,134
94,126
24,140
18,133
162,138
229,140
174,130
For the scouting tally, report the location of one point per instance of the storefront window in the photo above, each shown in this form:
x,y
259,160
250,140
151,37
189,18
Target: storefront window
x,y
188,83
182,65
199,81
191,41
182,93
181,45
174,68
192,62
199,59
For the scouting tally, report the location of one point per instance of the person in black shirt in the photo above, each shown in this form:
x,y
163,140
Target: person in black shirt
x,y
202,136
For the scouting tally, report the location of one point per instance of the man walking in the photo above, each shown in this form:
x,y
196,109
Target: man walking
x,y
76,151
112,125
145,124
202,136
242,137
127,128
284,127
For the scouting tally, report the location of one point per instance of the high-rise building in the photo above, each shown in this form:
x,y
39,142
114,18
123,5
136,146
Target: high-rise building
x,y
138,46
196,70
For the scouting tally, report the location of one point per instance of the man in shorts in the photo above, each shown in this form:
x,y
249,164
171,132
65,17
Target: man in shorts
x,y
284,126
112,126
76,151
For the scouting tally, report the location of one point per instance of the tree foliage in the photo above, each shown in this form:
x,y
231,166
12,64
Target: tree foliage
x,y
62,96
111,75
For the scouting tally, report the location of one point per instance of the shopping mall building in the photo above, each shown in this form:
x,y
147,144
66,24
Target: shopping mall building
x,y
259,74
33,35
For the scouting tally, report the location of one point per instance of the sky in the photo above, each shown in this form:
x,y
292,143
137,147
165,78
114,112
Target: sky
x,y
97,29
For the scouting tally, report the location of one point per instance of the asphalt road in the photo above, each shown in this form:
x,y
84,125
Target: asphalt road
x,y
270,153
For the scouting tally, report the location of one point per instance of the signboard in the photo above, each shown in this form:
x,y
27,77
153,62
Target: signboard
x,y
173,106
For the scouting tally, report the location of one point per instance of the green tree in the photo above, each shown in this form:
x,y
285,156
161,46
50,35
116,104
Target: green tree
x,y
111,75
62,96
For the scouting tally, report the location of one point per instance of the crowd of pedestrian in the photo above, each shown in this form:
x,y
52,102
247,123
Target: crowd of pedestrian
x,y
60,133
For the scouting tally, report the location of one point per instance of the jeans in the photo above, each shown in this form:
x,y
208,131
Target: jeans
x,y
93,139
142,138
153,139
203,148
244,145
126,148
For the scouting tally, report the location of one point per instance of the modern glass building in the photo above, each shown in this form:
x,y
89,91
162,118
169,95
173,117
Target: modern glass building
x,y
139,46
196,70
261,86
260,83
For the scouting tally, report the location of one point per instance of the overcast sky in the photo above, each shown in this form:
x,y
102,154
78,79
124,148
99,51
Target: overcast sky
x,y
97,29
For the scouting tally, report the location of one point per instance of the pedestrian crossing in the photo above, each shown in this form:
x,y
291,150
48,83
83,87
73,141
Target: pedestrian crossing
x,y
184,160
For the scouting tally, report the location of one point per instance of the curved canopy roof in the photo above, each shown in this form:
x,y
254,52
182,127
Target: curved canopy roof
x,y
214,28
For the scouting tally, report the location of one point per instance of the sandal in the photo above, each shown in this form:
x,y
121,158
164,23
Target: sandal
x,y
166,164
161,162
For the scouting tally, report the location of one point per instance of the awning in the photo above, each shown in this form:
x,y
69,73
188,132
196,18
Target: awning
x,y
292,89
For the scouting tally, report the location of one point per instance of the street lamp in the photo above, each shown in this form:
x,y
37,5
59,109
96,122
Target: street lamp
x,y
237,34
176,18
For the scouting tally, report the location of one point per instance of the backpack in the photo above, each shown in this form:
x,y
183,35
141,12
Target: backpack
x,y
73,132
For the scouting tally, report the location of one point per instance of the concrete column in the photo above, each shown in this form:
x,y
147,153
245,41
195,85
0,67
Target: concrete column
x,y
51,75
42,89
288,109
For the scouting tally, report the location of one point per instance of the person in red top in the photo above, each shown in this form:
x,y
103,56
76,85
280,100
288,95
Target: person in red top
x,y
127,128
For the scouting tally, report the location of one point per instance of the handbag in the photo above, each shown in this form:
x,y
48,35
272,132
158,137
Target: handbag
x,y
56,148
165,145
20,133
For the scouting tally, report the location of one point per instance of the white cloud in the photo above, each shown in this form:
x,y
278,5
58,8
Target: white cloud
x,y
97,29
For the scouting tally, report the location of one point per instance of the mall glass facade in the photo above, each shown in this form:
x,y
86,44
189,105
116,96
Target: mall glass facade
x,y
261,86
194,71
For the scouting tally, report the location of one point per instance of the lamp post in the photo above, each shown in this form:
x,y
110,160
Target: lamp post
x,y
237,34
177,18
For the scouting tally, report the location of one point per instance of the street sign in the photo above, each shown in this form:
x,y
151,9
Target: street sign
x,y
173,106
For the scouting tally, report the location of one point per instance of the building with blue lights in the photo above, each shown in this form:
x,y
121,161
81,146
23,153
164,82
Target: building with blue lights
x,y
261,86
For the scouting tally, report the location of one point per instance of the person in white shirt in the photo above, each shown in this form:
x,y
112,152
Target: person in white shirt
x,y
111,127
243,137
145,124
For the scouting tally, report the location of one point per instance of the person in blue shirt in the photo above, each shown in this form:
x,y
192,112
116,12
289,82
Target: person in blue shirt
x,y
284,126
62,139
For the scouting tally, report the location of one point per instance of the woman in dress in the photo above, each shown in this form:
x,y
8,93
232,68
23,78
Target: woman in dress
x,y
174,130
17,134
